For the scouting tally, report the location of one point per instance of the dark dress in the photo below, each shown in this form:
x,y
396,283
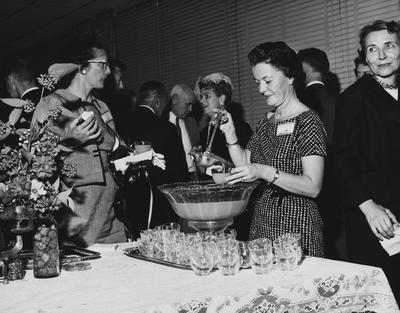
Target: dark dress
x,y
277,211
243,132
367,150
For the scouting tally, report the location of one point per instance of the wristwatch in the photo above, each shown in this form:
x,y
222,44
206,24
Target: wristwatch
x,y
276,176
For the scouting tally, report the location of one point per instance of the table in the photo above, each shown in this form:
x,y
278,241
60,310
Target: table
x,y
120,284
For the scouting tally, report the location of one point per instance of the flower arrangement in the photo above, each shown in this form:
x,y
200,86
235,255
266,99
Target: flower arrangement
x,y
30,174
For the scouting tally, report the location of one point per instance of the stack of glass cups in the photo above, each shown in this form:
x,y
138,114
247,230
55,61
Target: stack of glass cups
x,y
160,242
261,255
166,242
288,251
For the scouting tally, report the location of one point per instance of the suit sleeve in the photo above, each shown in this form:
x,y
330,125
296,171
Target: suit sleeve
x,y
175,159
347,152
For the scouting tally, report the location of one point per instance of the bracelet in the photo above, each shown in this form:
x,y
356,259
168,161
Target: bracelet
x,y
276,176
232,144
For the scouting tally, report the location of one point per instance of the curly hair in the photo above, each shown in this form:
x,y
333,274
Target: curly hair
x,y
278,54
220,88
217,82
392,27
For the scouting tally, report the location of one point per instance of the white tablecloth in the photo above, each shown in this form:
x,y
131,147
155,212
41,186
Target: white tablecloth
x,y
121,284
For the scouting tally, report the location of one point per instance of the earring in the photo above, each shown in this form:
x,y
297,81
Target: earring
x,y
84,72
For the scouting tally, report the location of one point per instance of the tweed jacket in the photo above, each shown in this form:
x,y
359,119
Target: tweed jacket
x,y
90,158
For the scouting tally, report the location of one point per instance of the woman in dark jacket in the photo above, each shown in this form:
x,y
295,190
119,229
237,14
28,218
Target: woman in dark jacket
x,y
215,92
367,149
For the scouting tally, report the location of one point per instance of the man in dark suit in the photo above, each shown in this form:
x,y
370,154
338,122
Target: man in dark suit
x,y
21,83
318,97
182,99
147,125
315,94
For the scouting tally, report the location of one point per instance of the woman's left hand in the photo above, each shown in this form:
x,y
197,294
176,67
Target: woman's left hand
x,y
246,173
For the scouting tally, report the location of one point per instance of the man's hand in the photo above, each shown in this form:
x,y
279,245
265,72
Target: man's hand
x,y
380,219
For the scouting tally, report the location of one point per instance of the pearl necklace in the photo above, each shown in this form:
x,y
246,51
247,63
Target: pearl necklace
x,y
384,85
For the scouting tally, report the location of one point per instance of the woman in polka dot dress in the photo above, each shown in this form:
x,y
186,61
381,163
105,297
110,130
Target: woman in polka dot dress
x,y
286,153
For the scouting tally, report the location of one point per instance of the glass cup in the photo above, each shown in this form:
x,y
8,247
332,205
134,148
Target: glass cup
x,y
286,253
203,236
295,238
174,227
226,234
261,255
220,172
202,258
228,256
182,255
142,146
245,253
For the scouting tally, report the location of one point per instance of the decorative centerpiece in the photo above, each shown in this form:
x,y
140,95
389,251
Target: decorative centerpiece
x,y
30,191
208,206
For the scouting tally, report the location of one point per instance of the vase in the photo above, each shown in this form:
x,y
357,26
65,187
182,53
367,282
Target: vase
x,y
46,260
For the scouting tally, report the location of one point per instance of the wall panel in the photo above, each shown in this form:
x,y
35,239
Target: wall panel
x,y
175,41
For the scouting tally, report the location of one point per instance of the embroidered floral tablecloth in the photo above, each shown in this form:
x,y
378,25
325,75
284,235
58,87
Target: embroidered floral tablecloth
x,y
361,292
117,283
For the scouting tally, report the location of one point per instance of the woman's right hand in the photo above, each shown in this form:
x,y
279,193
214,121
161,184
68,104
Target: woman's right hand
x,y
381,220
227,127
83,131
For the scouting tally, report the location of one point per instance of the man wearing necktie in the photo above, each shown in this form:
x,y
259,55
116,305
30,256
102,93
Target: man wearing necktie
x,y
182,98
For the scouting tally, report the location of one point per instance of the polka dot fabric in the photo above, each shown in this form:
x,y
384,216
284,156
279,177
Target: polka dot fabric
x,y
276,211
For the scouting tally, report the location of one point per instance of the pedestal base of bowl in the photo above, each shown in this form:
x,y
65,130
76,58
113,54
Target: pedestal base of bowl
x,y
211,226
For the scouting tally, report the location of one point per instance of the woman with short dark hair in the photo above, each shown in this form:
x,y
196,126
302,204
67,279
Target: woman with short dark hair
x,y
286,153
367,149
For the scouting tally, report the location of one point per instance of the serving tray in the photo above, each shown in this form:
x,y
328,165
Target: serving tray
x,y
134,253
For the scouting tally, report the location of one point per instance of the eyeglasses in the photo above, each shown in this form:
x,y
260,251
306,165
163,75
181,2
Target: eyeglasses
x,y
104,64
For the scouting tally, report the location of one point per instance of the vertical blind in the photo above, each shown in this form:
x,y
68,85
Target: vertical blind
x,y
175,41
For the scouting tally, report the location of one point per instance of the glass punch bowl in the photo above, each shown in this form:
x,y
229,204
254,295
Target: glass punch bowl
x,y
208,206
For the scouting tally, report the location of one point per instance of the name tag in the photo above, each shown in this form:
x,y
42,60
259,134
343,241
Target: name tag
x,y
285,129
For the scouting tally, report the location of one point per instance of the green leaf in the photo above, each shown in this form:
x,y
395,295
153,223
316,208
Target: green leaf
x,y
26,155
65,199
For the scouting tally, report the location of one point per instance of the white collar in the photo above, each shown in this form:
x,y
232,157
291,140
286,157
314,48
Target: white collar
x,y
150,108
172,116
26,91
315,82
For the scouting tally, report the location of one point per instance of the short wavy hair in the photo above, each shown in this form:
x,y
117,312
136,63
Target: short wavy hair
x,y
278,54
217,82
392,27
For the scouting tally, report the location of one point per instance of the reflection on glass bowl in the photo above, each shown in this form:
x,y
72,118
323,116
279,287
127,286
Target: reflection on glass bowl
x,y
206,201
